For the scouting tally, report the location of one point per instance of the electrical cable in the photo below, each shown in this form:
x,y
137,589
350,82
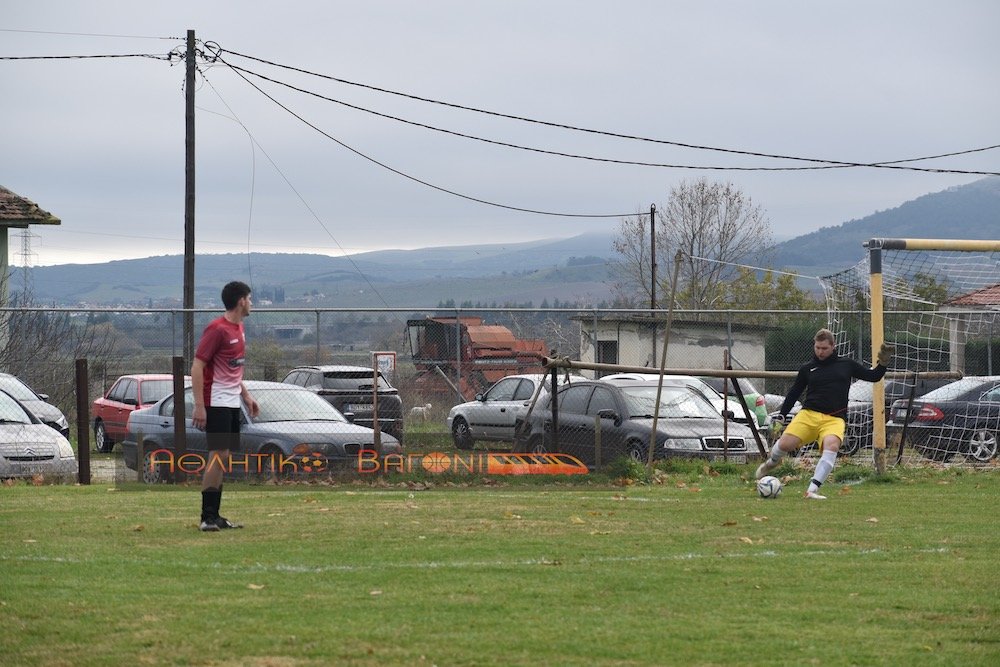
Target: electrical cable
x,y
297,194
889,164
426,183
525,148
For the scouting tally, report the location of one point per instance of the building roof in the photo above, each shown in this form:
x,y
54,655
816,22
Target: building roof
x,y
987,296
16,211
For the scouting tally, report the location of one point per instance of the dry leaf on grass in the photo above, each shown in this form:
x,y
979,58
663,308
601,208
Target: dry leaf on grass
x,y
576,519
871,520
255,587
746,539
760,518
729,523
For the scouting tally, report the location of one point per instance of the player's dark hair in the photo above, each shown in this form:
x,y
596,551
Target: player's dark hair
x,y
233,292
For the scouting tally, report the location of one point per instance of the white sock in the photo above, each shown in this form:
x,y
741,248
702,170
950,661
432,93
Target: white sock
x,y
823,470
777,453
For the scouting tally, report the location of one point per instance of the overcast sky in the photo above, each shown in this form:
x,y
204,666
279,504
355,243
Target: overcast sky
x,y
100,142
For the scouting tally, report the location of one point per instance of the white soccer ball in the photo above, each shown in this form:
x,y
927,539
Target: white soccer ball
x,y
769,487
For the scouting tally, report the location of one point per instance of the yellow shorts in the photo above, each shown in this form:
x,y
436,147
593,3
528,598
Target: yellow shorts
x,y
809,425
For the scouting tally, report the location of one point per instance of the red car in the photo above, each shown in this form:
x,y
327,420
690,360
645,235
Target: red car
x,y
127,394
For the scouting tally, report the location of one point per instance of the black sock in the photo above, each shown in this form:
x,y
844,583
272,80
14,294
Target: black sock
x,y
210,501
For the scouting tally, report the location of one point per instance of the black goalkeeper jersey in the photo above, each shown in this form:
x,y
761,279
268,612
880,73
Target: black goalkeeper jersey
x,y
827,383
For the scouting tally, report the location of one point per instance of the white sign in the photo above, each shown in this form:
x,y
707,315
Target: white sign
x,y
385,362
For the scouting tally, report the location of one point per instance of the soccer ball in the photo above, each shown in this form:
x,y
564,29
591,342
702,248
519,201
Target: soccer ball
x,y
769,487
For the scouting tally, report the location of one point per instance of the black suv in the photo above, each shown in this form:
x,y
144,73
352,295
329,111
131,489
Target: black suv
x,y
349,389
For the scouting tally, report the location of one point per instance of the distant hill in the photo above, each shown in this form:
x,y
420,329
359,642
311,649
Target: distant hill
x,y
571,269
967,212
566,269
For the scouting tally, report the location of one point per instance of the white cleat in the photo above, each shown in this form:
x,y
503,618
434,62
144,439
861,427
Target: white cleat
x,y
812,495
767,466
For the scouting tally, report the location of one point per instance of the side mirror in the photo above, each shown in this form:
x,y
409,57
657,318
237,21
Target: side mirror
x,y
480,398
349,416
44,397
729,414
609,414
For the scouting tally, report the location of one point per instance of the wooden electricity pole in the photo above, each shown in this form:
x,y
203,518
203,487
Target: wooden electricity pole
x,y
189,201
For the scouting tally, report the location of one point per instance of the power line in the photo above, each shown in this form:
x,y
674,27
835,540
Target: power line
x,y
518,146
426,183
889,164
254,142
154,56
87,34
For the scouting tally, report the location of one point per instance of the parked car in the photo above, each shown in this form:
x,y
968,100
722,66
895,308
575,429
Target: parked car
x,y
127,394
492,415
962,417
350,389
859,416
37,404
687,424
699,385
293,424
29,447
754,399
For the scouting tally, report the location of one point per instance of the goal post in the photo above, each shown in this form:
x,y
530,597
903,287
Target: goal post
x,y
942,280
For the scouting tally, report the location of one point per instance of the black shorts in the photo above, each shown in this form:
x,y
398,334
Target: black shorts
x,y
222,428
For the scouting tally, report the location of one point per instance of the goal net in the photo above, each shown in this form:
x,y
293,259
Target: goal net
x,y
938,304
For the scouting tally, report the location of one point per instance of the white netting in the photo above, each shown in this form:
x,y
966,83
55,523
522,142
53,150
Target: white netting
x,y
941,314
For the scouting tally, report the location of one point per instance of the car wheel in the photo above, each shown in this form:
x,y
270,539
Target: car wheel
x,y
852,441
636,451
270,466
982,445
102,443
461,434
537,445
154,474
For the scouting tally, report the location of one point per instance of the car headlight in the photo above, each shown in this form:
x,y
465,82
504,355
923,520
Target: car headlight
x,y
689,444
65,449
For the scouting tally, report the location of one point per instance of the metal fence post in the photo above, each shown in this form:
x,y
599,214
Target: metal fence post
x,y
82,422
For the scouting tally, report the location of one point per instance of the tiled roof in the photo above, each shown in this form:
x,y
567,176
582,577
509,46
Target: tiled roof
x,y
16,211
987,296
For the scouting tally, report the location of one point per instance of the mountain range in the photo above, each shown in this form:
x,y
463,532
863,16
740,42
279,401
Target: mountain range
x,y
576,269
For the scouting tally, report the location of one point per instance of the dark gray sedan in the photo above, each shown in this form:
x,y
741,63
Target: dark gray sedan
x,y
687,424
295,432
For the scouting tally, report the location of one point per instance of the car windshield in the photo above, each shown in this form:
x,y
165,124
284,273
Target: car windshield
x,y
154,390
959,387
723,385
352,380
11,412
17,389
675,403
285,405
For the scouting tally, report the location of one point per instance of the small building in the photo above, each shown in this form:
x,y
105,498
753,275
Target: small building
x,y
637,340
970,315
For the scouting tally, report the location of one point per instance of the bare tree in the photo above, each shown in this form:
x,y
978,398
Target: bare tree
x,y
714,226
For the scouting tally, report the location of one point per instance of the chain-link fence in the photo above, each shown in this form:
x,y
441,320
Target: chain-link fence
x,y
431,361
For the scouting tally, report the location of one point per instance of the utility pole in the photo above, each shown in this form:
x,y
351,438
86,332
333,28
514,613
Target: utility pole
x,y
652,276
652,256
189,201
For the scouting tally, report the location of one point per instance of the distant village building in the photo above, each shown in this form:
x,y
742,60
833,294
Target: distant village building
x,y
637,340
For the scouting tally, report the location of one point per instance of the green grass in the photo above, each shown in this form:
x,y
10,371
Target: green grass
x,y
690,570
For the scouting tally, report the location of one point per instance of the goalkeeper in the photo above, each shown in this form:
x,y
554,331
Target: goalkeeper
x,y
826,380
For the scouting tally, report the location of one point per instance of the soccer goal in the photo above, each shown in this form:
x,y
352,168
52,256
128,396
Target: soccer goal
x,y
937,302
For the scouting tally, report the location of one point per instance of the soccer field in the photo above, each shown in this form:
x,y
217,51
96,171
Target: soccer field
x,y
695,570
